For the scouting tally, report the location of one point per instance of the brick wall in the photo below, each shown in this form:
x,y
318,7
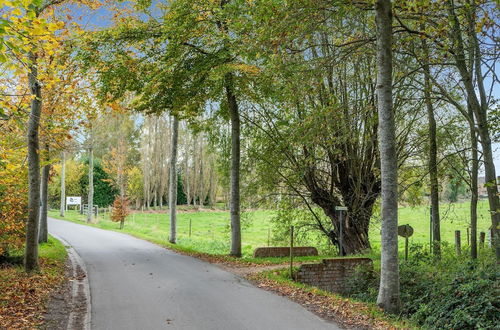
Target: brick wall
x,y
298,251
331,274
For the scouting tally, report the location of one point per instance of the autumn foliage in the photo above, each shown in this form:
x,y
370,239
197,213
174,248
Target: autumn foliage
x,y
13,188
120,210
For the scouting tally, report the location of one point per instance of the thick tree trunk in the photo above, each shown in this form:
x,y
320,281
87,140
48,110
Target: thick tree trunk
x,y
90,211
388,296
235,167
432,165
357,219
43,233
62,207
31,249
172,200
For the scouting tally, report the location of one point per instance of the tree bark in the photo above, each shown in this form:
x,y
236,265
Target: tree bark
x,y
432,165
31,249
201,185
43,231
186,172
388,296
172,200
480,110
90,213
474,189
63,185
235,167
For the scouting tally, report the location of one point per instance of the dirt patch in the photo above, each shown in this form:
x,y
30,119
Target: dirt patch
x,y
59,306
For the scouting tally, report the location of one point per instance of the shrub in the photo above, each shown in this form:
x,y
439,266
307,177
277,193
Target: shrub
x,y
120,210
453,292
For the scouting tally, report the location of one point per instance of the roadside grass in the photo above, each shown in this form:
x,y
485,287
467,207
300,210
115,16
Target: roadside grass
x,y
23,297
210,229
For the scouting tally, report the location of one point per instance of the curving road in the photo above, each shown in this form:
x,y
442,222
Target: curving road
x,y
135,284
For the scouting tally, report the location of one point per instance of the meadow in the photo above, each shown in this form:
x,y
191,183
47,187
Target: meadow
x,y
208,230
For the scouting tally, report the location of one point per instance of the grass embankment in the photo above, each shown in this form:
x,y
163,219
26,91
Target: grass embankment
x,y
210,230
23,297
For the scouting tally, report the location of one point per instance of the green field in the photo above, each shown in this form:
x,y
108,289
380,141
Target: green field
x,y
210,231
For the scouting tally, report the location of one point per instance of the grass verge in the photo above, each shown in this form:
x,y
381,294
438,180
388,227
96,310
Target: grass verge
x,y
23,297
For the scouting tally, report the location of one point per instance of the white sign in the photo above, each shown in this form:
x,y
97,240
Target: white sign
x,y
341,208
73,200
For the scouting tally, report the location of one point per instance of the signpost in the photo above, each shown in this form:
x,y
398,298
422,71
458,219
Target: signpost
x,y
405,231
75,200
341,210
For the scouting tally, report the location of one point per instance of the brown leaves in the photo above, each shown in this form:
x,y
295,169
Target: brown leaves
x,y
120,209
23,297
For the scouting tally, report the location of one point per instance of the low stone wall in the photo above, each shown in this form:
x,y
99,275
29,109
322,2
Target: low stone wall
x,y
298,251
332,274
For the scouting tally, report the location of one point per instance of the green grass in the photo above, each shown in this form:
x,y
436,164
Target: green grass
x,y
52,250
210,230
454,216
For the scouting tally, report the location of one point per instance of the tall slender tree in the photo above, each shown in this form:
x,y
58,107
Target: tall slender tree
x,y
388,296
172,194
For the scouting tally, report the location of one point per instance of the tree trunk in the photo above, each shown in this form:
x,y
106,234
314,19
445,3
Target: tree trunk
x,y
480,110
200,188
473,189
235,167
432,165
43,233
388,296
90,213
172,195
63,185
31,250
186,173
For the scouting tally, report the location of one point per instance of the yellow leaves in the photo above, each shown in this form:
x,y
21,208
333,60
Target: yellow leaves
x,y
17,12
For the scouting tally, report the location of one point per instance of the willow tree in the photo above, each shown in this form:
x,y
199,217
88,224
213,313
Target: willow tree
x,y
312,120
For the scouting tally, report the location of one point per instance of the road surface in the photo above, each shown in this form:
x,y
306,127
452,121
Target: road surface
x,y
135,284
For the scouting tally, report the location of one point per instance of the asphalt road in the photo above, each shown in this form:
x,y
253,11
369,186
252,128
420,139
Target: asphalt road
x,y
135,284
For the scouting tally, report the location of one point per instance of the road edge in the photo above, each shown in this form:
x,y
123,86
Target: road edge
x,y
79,284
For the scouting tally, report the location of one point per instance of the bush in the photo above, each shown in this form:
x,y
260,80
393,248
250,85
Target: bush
x,y
120,210
453,292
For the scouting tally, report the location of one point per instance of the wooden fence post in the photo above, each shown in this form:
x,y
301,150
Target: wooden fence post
x,y
458,247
